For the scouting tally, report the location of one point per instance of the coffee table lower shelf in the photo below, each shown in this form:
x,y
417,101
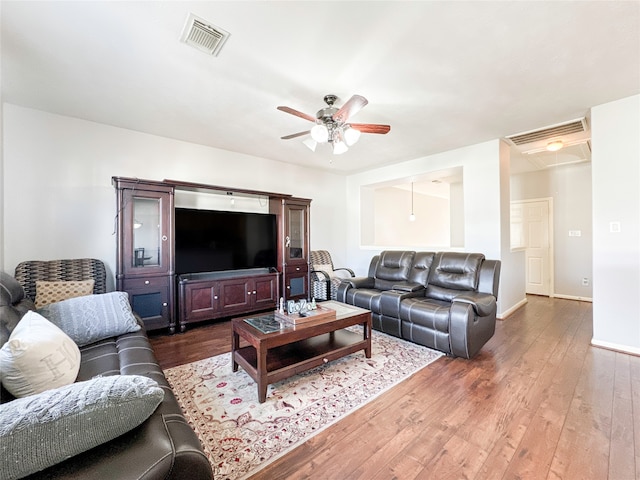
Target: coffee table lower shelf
x,y
287,360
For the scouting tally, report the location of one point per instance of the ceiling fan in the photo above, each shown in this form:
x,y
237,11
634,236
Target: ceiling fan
x,y
332,126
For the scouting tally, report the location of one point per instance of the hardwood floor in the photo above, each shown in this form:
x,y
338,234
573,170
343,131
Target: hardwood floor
x,y
538,402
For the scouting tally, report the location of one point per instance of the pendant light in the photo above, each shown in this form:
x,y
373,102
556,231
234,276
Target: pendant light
x,y
412,217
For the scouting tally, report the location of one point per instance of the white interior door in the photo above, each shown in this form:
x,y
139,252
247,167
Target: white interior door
x,y
536,238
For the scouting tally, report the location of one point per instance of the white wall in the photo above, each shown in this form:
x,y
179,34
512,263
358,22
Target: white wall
x,y
616,198
2,195
570,188
486,199
59,201
392,207
2,230
512,274
456,215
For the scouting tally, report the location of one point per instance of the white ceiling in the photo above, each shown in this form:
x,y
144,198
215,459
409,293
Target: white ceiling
x,y
442,74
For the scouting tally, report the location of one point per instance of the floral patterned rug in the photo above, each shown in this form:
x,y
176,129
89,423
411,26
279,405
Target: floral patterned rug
x,y
241,436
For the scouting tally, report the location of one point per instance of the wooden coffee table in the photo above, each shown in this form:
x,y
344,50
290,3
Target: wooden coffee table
x,y
271,357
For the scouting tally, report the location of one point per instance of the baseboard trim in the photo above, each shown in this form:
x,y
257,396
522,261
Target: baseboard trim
x,y
505,314
616,348
573,297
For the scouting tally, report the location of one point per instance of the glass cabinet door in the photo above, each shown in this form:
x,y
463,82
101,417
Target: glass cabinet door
x,y
296,230
146,246
147,232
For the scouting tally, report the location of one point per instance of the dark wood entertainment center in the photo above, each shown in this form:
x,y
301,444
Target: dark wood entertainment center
x,y
146,258
205,296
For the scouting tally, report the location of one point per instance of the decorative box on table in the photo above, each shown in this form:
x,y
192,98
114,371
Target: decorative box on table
x,y
320,313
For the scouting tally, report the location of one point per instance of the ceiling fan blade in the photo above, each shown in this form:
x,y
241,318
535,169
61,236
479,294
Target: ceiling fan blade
x,y
371,127
353,106
294,135
297,113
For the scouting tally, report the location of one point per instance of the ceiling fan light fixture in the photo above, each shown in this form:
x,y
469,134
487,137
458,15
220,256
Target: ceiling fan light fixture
x,y
555,145
330,124
351,135
311,144
320,133
339,147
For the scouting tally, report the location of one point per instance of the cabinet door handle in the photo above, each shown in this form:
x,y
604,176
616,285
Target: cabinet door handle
x,y
287,241
298,269
254,292
164,238
146,282
215,297
164,304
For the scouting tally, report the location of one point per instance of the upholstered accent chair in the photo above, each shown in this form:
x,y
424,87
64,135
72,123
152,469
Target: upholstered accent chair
x,y
325,278
31,271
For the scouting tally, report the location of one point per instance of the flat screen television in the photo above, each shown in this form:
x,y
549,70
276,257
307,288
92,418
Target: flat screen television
x,y
214,240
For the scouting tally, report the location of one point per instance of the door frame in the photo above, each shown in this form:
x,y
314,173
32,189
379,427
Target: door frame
x,y
551,265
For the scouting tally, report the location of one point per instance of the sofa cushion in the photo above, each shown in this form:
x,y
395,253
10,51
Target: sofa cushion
x,y
42,430
364,298
426,322
51,292
38,356
421,267
393,267
94,317
452,272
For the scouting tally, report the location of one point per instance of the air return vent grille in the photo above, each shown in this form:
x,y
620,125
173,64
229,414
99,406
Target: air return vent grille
x,y
203,35
555,131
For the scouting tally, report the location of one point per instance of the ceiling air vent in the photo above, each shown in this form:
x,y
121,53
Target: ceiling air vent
x,y
203,35
549,133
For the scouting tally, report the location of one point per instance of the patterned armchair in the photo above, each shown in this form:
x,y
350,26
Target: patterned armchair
x,y
27,273
324,277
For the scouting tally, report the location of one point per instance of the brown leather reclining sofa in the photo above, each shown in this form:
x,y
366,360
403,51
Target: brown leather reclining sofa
x,y
164,446
445,301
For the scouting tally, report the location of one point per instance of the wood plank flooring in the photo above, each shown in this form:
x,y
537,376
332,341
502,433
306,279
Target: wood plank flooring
x,y
538,402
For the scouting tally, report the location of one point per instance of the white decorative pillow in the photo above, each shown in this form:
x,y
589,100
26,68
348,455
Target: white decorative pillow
x,y
327,268
51,292
94,317
38,356
42,430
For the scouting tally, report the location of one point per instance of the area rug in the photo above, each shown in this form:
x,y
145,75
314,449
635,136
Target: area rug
x,y
240,436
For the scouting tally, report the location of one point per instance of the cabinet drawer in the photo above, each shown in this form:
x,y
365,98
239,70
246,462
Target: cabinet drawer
x,y
145,282
296,269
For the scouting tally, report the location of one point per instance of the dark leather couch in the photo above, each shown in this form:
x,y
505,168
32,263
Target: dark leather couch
x,y
445,301
163,447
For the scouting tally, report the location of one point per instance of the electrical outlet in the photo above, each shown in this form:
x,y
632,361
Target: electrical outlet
x,y
585,282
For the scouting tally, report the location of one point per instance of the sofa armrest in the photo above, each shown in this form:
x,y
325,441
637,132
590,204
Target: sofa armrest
x,y
360,282
390,300
483,304
410,287
469,331
347,284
